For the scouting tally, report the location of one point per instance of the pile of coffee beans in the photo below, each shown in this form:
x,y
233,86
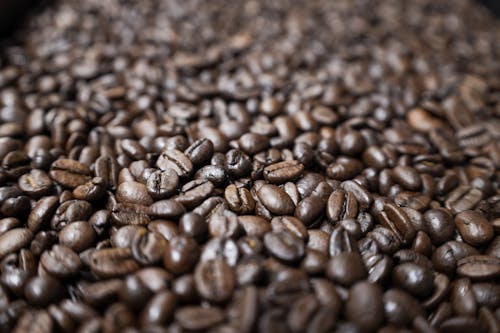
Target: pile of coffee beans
x,y
251,166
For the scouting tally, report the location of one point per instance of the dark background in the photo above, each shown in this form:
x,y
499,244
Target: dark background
x,y
14,12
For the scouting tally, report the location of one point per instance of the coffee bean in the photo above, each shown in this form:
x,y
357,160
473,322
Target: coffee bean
x,y
78,236
133,192
439,225
414,278
346,268
34,321
148,247
107,168
92,190
61,261
365,307
239,199
198,318
479,267
276,200
161,184
175,160
284,245
281,172
254,225
35,183
69,173
407,177
200,151
309,209
181,254
159,309
341,205
462,298
474,227
14,240
43,290
401,308
114,262
41,214
194,192
463,198
214,280
130,214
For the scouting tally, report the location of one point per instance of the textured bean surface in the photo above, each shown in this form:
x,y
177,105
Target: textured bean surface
x,y
251,166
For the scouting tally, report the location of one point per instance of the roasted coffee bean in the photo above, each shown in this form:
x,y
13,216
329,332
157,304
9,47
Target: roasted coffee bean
x,y
346,268
282,172
14,240
479,267
35,183
401,308
159,309
254,226
161,184
200,151
239,200
341,241
130,214
341,205
439,225
284,245
114,262
166,209
416,279
463,198
276,200
181,254
38,321
198,318
61,261
69,173
175,160
289,224
78,236
43,290
214,280
407,177
195,192
92,190
148,247
309,209
394,218
107,168
133,192
365,307
474,227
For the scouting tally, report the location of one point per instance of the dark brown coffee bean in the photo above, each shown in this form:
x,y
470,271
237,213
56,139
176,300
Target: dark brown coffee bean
x,y
310,209
401,308
193,225
92,190
195,192
479,267
159,309
41,214
14,240
130,214
394,218
214,280
474,227
43,290
107,168
78,236
239,199
276,200
362,195
439,225
161,184
346,268
181,254
282,172
61,261
166,209
37,321
133,192
16,163
344,168
416,279
446,256
341,205
200,151
463,198
284,245
365,306
35,183
462,298
254,225
407,177
69,173
198,318
487,294
461,324
108,263
175,160
148,247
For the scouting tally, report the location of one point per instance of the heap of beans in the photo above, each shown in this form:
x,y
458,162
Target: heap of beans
x,y
251,166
